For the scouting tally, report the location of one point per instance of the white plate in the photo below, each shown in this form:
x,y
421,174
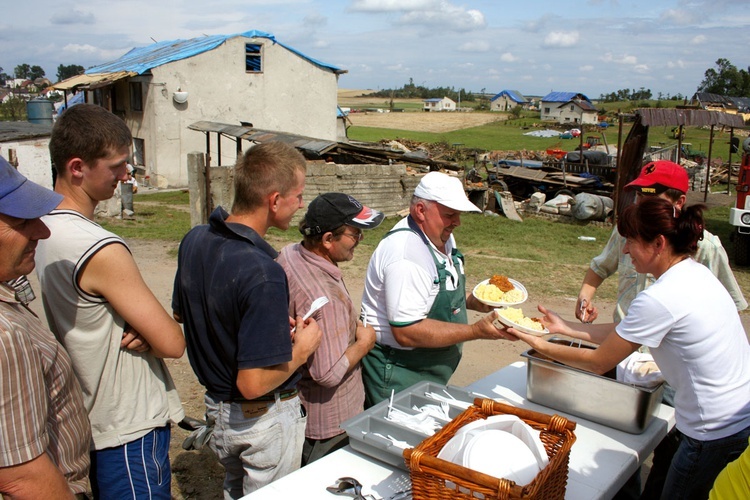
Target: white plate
x,y
501,454
502,304
502,319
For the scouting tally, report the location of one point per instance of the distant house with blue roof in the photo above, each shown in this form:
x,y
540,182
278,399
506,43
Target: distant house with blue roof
x,y
439,104
247,77
506,100
568,108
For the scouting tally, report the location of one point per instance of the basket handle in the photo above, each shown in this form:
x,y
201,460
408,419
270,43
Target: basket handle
x,y
558,423
418,460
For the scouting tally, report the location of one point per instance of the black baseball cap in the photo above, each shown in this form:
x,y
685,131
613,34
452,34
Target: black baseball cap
x,y
331,210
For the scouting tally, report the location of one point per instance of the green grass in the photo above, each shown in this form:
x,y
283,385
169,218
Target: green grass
x,y
509,134
158,216
546,255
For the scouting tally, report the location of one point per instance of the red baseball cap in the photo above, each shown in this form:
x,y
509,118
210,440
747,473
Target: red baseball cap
x,y
658,176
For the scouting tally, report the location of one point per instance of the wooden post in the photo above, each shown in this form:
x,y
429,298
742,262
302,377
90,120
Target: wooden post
x,y
729,167
708,164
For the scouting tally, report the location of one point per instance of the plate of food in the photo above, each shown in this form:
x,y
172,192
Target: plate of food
x,y
513,317
500,291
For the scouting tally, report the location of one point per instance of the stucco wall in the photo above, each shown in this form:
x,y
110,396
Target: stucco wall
x,y
290,95
387,188
33,159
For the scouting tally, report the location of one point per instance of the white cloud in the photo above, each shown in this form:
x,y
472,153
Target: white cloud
x,y
433,13
474,46
679,63
587,68
681,17
447,16
561,39
397,67
392,5
508,57
698,40
74,16
75,49
640,68
624,59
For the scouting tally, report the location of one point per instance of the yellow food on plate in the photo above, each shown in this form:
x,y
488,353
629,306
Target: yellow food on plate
x,y
491,293
515,315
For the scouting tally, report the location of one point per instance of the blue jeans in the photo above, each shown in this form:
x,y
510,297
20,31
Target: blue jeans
x,y
138,469
697,463
256,451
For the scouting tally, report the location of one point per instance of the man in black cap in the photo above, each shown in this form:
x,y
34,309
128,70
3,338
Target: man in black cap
x,y
331,387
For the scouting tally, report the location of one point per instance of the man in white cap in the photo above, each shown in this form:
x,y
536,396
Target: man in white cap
x,y
415,294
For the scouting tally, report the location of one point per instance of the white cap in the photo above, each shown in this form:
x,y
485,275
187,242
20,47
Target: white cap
x,y
446,190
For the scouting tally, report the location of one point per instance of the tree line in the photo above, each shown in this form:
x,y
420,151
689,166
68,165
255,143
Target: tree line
x,y
28,72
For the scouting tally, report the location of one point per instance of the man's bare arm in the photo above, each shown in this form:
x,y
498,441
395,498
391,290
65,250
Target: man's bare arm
x,y
433,333
37,478
113,274
255,382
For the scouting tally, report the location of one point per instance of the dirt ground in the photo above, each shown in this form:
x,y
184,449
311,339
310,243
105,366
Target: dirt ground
x,y
424,122
416,120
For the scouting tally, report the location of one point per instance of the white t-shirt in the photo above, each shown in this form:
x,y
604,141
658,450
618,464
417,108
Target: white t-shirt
x,y
402,282
689,321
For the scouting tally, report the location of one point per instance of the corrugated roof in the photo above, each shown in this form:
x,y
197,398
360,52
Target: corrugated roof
x,y
563,97
317,146
19,131
706,97
584,105
141,59
690,117
92,80
514,95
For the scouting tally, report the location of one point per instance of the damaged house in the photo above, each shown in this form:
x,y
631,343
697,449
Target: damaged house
x,y
568,108
248,78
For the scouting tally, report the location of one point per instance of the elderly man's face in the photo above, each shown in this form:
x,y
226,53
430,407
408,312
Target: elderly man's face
x,y
18,238
439,223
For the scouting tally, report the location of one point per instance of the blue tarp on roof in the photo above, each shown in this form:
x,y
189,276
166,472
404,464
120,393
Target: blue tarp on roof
x,y
141,59
513,95
563,97
434,99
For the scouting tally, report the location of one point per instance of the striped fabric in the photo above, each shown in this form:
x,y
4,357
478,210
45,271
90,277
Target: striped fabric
x,y
329,393
41,406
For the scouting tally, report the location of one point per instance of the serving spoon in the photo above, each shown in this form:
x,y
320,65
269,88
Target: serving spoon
x,y
316,304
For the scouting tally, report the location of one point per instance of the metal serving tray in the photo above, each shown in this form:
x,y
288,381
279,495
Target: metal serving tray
x,y
363,427
598,398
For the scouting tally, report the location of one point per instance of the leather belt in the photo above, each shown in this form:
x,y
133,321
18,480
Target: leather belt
x,y
259,406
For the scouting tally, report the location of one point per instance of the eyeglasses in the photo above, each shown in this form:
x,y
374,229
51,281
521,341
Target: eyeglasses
x,y
356,236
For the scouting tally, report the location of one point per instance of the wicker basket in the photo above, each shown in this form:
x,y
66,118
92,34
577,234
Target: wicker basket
x,y
430,474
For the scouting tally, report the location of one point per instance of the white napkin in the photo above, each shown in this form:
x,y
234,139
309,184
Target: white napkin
x,y
639,369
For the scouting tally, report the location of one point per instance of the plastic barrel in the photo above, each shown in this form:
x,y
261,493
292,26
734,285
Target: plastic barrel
x,y
40,111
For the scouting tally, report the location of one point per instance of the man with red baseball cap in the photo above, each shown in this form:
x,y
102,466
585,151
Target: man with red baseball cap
x,y
670,181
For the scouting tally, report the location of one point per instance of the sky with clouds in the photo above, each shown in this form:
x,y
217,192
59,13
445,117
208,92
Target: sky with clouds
x,y
594,47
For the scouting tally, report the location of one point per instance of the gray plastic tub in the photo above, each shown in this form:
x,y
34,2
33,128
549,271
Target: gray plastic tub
x,y
597,398
363,427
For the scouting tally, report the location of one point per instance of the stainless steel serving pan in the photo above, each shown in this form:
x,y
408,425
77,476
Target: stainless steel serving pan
x,y
598,398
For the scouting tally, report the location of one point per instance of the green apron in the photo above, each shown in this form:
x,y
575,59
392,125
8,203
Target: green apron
x,y
386,368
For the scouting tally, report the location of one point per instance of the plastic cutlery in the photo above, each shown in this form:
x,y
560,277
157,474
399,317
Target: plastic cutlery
x,y
316,304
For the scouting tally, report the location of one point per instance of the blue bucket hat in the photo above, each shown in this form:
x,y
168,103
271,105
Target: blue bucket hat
x,y
21,198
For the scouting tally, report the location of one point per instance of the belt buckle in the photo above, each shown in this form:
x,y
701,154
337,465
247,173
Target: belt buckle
x,y
254,409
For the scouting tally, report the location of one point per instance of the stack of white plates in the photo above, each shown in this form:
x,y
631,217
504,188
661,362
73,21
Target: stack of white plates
x,y
501,446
